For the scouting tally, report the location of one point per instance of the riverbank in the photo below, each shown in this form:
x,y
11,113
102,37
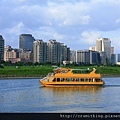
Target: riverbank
x,y
2,78
109,75
24,72
103,76
23,77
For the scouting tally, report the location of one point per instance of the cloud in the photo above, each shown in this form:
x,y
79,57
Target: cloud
x,y
66,21
14,1
83,20
12,36
118,21
16,29
89,37
68,14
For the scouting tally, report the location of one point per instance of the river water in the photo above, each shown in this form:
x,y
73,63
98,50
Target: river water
x,y
28,96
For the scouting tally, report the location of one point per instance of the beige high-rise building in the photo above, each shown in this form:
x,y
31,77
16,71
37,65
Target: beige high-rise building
x,y
93,48
26,56
40,51
112,50
104,45
11,54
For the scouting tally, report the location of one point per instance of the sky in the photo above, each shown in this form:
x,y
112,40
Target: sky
x,y
76,23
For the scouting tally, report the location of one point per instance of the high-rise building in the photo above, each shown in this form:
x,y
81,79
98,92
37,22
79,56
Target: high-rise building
x,y
58,52
83,56
40,51
26,56
113,59
54,51
88,57
112,50
11,54
64,52
1,48
93,48
68,54
104,45
26,42
118,59
103,57
73,55
95,58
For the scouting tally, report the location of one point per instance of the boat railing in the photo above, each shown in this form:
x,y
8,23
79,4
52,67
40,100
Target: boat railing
x,y
45,78
50,74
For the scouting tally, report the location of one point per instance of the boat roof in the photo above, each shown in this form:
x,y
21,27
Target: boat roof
x,y
60,68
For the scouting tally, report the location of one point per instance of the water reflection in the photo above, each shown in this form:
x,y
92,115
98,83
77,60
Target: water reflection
x,y
73,98
80,89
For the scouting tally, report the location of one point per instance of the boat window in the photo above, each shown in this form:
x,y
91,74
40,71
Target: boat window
x,y
82,79
86,79
58,79
77,79
89,79
62,79
54,80
72,79
97,80
67,79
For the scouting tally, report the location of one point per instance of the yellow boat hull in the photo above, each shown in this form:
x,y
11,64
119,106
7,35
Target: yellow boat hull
x,y
70,84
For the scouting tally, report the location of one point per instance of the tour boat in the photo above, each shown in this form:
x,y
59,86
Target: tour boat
x,y
72,77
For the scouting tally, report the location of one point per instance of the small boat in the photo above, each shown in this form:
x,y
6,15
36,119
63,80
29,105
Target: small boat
x,y
72,77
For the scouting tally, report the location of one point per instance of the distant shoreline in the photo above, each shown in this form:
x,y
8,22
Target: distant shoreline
x,y
22,77
103,76
110,75
2,78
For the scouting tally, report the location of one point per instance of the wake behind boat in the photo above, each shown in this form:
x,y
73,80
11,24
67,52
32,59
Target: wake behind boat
x,y
72,77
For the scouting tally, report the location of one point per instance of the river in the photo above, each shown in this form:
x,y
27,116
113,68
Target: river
x,y
28,96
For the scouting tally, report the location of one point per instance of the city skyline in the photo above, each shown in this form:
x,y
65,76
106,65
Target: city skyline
x,y
55,52
32,37
77,23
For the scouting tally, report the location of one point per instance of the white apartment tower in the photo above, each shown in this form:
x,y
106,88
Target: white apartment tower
x,y
40,51
54,51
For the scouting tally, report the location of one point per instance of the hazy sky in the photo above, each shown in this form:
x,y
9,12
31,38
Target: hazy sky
x,y
77,23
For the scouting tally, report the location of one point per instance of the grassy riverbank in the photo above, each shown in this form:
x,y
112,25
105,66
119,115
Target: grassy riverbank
x,y
25,71
39,71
